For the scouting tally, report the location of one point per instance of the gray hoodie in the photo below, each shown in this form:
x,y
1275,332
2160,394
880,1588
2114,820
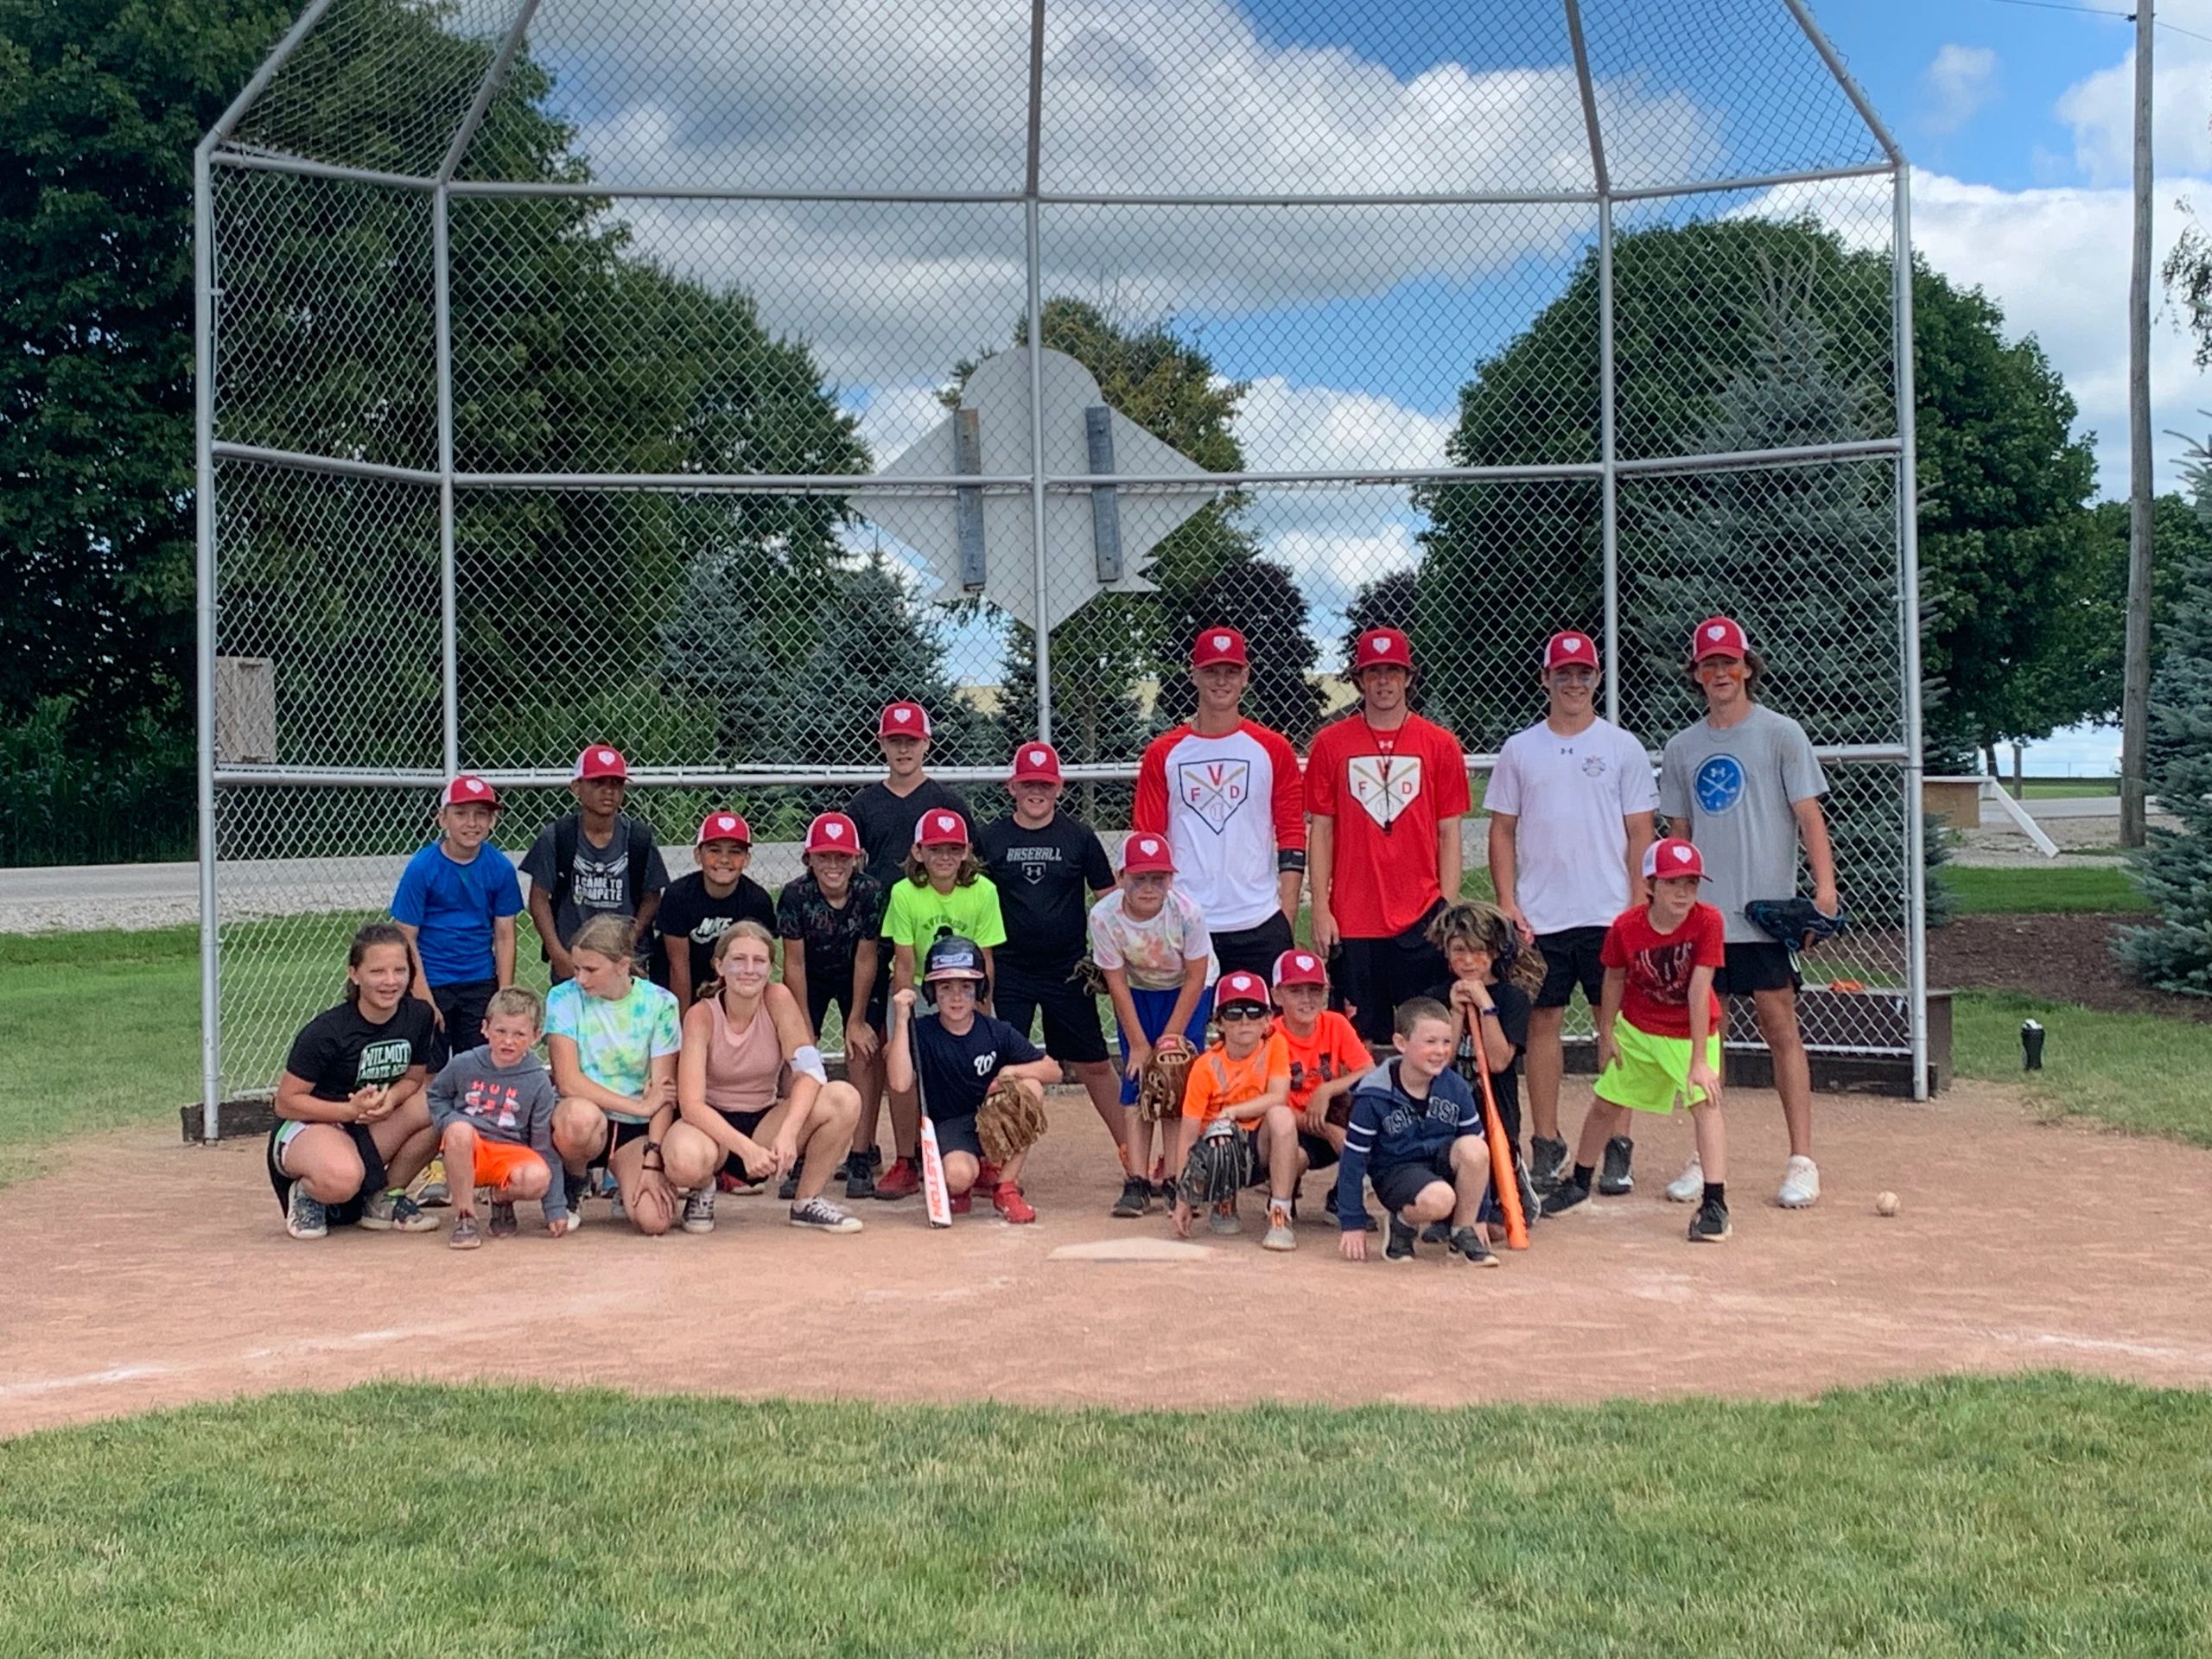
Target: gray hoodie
x,y
514,1104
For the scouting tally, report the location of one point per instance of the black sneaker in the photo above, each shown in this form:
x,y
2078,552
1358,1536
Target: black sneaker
x,y
1437,1232
1329,1204
1531,1201
1467,1246
1565,1197
1710,1225
577,1187
1614,1178
1546,1163
1135,1199
787,1189
860,1178
1401,1246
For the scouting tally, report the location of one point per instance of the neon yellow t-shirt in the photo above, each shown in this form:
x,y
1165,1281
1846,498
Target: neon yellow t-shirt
x,y
916,917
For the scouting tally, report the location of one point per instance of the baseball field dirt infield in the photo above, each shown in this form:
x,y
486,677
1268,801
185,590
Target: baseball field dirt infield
x,y
146,1273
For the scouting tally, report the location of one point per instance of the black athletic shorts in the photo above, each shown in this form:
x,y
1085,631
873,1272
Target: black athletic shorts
x,y
1254,950
879,999
374,1179
1399,1185
618,1135
461,1008
1757,965
744,1123
1571,958
1376,975
1320,1154
831,988
1072,1033
959,1134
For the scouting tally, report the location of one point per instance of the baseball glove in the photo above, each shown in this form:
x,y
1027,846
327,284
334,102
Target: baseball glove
x,y
1794,922
1010,1120
1089,975
1219,1167
1159,1087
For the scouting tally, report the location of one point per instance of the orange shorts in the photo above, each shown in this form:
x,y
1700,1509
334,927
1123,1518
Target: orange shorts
x,y
497,1160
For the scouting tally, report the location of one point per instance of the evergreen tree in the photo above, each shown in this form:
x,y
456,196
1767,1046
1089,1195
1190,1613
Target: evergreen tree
x,y
2174,952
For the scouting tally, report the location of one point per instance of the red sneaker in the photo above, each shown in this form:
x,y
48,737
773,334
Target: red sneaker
x,y
962,1202
1010,1205
901,1180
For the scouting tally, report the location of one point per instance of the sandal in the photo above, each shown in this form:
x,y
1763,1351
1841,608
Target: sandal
x,y
465,1235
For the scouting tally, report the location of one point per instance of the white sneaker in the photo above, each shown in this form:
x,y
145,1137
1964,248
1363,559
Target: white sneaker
x,y
1801,1185
1689,1187
699,1210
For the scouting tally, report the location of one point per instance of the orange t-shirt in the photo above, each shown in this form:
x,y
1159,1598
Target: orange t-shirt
x,y
1333,1051
1217,1083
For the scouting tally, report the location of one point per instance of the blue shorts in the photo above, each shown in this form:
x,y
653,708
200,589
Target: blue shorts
x,y
1152,1009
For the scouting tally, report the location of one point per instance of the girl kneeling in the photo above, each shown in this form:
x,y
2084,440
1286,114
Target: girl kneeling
x,y
612,1039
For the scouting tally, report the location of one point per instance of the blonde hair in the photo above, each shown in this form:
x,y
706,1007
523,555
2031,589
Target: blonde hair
x,y
607,935
520,1000
745,928
1478,926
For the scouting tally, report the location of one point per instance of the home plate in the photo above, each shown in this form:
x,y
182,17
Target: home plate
x,y
1131,1249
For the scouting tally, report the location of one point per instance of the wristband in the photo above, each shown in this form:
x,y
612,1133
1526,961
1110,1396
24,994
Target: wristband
x,y
1491,1013
1290,858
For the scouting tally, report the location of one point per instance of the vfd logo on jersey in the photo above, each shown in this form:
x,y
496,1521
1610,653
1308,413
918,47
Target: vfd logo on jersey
x,y
1385,785
1719,784
1215,789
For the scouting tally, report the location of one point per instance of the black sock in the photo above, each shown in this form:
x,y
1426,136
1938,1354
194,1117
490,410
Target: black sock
x,y
1584,1174
1717,1192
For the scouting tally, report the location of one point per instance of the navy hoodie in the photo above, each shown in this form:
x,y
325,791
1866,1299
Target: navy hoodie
x,y
1390,1126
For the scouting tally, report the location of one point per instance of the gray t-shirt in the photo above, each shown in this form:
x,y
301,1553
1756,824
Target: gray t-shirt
x,y
598,879
514,1105
1732,790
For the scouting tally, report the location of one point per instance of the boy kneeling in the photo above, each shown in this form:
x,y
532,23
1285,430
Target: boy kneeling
x,y
1416,1122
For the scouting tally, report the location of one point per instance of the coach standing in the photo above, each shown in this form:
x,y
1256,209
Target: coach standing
x,y
1226,792
1387,790
1570,812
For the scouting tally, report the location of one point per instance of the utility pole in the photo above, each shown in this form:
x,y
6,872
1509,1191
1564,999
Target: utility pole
x,y
2135,684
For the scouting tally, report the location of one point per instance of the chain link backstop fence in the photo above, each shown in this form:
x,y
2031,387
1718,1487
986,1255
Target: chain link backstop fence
x,y
556,356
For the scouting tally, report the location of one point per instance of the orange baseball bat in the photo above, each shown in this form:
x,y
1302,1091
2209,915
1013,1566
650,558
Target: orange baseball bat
x,y
1501,1154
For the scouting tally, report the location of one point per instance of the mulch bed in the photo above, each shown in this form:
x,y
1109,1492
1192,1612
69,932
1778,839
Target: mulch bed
x,y
2065,958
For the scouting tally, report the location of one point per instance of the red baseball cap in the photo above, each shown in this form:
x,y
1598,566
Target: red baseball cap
x,y
599,761
833,832
1299,968
940,828
724,826
1381,648
466,790
1241,986
1143,855
1218,645
1719,636
1562,649
1035,763
1673,857
903,720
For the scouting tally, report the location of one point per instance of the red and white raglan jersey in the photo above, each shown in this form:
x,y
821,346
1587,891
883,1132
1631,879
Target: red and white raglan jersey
x,y
1229,805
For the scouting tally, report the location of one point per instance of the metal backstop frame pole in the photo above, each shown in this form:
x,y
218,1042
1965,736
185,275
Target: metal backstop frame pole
x,y
1034,258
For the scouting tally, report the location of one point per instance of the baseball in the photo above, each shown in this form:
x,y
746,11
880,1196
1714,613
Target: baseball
x,y
1887,1204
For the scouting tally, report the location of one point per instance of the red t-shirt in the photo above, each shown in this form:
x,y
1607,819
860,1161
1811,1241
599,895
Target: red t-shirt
x,y
1387,791
1659,965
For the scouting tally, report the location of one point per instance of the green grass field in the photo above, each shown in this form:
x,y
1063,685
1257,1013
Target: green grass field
x,y
2043,889
2045,1514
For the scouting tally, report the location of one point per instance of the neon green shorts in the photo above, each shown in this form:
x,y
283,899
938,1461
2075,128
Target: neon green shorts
x,y
1653,1073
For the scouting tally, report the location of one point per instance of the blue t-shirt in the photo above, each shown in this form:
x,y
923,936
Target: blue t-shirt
x,y
453,908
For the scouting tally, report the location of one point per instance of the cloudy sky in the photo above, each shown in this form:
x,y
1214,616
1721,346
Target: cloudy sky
x,y
1355,328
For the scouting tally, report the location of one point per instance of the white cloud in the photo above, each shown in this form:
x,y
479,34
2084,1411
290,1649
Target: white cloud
x,y
1960,81
2101,108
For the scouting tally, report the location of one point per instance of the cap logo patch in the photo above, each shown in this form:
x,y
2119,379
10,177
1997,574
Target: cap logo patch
x,y
607,757
943,823
476,788
1036,757
1305,964
1716,631
1682,855
1221,642
902,716
1377,645
834,831
1570,644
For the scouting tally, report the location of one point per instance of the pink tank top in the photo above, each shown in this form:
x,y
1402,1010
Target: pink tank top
x,y
743,1066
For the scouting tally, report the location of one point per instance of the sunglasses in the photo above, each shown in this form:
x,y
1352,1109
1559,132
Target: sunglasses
x,y
1244,1011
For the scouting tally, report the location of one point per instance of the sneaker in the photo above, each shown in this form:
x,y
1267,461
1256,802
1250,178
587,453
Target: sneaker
x,y
577,1188
1532,1205
987,1176
1280,1237
431,1191
1437,1232
304,1214
1801,1185
1467,1246
960,1202
1401,1246
503,1221
1135,1199
1564,1197
464,1235
1164,1191
726,1182
699,1210
901,1180
1225,1219
1613,1177
818,1215
395,1212
1689,1187
1011,1205
1546,1163
787,1189
860,1178
1710,1225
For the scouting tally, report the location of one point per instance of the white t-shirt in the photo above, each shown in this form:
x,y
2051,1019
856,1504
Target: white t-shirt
x,y
1570,795
1153,951
1229,806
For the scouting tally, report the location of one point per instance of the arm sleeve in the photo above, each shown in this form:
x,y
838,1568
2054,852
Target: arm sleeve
x,y
1503,793
1097,869
443,1095
1278,1059
990,921
1351,1168
656,871
1198,1088
310,1053
1674,786
1613,951
1105,949
668,1027
1802,779
560,1010
787,924
1149,813
1639,787
537,862
1712,950
1513,1016
1452,797
407,897
1471,1111
1321,767
1289,798
894,917
543,1100
1015,1048
754,905
1198,938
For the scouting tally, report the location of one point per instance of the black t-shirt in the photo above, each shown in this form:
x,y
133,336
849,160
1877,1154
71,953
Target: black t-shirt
x,y
338,1050
1044,878
688,911
831,934
887,822
1513,1007
956,1072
